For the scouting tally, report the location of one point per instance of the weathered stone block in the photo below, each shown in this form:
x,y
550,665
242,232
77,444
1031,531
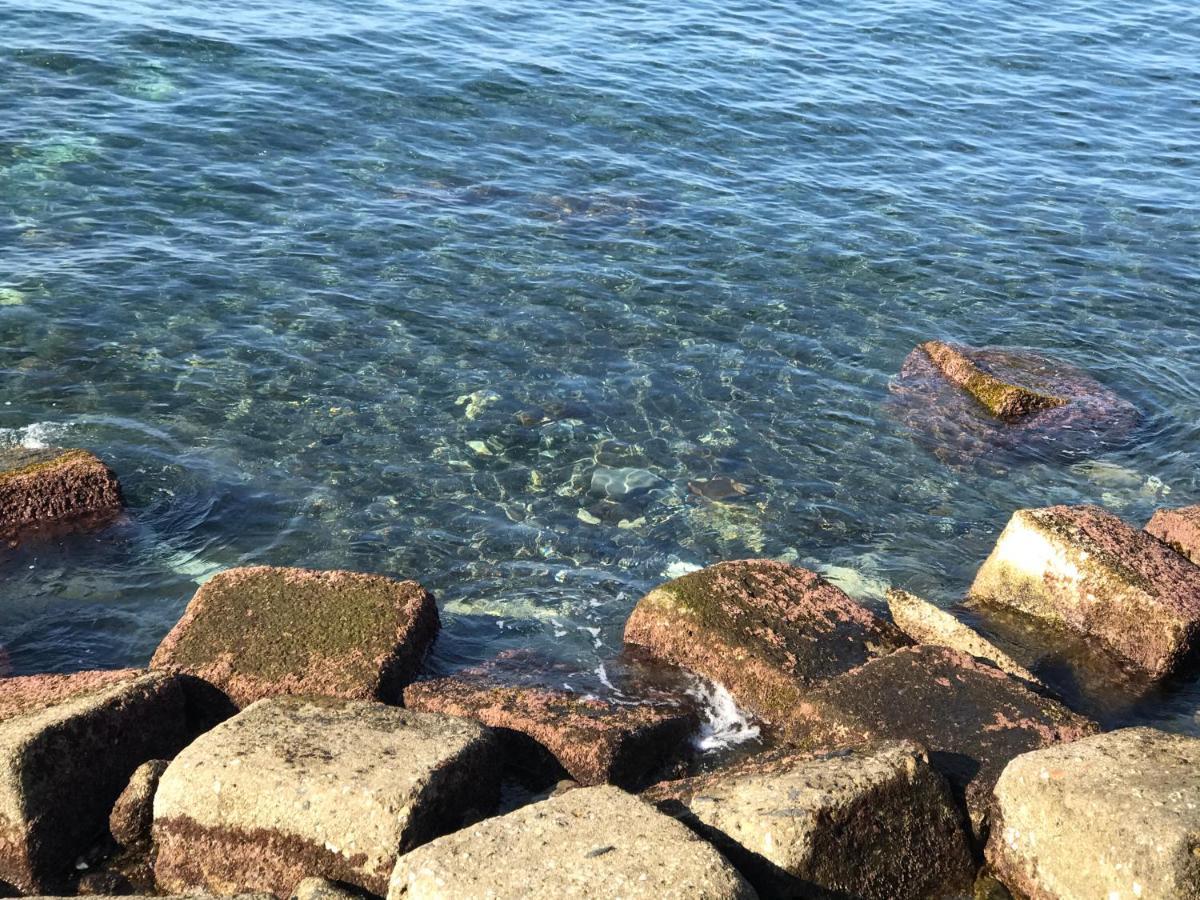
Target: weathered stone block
x,y
1115,815
767,631
878,822
293,787
132,814
1001,398
68,744
1179,529
589,842
261,631
1086,569
54,489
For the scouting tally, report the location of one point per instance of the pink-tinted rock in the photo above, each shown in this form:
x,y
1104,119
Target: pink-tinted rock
x,y
972,717
596,741
965,402
1084,568
54,491
1179,529
68,744
263,631
767,631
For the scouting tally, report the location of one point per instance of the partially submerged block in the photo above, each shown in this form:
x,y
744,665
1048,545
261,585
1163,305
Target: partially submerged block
x,y
1004,399
68,744
878,822
293,787
767,631
54,489
929,624
1115,815
588,842
596,741
972,717
1179,529
261,631
1086,569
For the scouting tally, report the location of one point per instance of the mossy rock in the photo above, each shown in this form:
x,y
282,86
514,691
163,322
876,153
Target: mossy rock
x,y
55,491
1001,398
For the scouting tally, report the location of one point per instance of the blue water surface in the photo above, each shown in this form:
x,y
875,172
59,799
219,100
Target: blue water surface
x,y
394,286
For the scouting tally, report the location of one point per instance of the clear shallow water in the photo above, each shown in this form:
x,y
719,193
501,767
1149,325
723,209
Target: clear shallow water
x,y
301,273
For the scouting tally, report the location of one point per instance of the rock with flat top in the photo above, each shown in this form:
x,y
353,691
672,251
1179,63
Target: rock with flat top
x,y
294,787
1115,815
1085,569
972,717
877,822
263,631
767,631
929,624
55,491
1179,529
992,389
324,889
589,842
132,814
596,741
68,744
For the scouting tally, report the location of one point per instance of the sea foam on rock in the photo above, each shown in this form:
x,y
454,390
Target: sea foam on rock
x,y
769,632
262,631
68,745
56,490
293,787
1084,568
877,823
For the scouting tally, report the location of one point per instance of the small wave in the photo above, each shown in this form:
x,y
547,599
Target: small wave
x,y
722,723
38,436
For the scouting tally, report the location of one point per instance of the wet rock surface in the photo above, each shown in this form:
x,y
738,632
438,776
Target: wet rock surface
x,y
876,822
546,731
588,842
133,813
1179,529
54,491
68,745
1084,568
1115,815
971,716
767,631
261,631
293,787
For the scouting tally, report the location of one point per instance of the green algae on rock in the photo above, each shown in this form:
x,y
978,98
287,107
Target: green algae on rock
x,y
1001,398
293,787
1179,529
259,631
1084,568
1115,815
769,632
68,745
58,490
587,842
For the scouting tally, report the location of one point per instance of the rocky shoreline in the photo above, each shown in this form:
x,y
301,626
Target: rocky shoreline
x,y
284,740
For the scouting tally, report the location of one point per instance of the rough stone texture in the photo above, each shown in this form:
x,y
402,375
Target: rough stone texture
x,y
589,842
68,744
261,631
55,489
163,897
323,889
929,624
132,814
293,787
1086,569
878,822
1116,815
970,715
595,741
1001,398
765,630
1179,529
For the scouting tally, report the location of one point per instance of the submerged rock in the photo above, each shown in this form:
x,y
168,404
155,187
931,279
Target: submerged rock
x,y
547,731
68,744
767,631
876,822
965,402
625,483
970,715
1084,568
587,842
1179,529
929,624
133,813
261,631
293,787
1115,815
59,490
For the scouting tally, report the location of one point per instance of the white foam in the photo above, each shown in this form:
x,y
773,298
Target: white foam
x,y
37,436
722,723
678,568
